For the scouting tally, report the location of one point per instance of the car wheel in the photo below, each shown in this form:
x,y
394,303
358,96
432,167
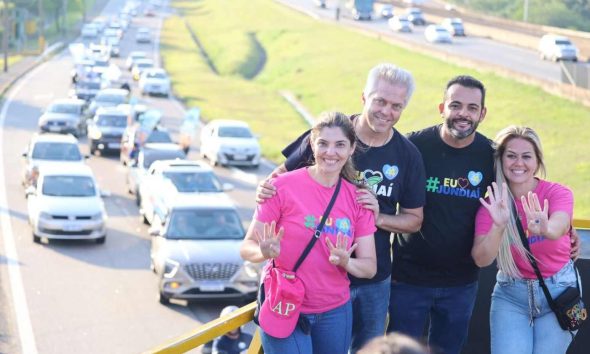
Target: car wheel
x,y
92,149
163,299
36,239
101,240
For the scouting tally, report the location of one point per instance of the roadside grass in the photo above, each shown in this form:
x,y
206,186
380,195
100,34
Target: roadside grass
x,y
325,66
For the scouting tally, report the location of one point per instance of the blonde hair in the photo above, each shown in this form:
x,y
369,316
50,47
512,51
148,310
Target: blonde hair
x,y
394,75
342,121
511,235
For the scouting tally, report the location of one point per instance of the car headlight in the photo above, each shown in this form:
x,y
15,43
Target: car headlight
x,y
94,134
44,216
97,216
170,268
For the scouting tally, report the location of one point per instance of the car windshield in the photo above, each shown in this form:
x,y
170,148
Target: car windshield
x,y
156,75
64,108
137,55
110,98
562,42
204,224
149,156
144,65
68,186
192,182
89,85
158,136
234,132
56,151
107,120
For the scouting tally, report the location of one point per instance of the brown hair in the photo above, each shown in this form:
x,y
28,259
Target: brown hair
x,y
342,121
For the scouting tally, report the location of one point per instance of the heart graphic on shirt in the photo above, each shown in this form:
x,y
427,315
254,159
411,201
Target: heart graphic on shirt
x,y
372,177
463,182
475,177
390,171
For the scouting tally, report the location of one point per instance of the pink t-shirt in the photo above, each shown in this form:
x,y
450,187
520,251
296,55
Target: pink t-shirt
x,y
298,207
551,255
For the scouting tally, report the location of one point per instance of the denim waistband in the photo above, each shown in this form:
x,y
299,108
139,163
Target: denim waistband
x,y
566,274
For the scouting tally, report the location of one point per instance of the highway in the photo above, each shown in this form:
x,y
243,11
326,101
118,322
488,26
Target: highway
x,y
80,297
483,50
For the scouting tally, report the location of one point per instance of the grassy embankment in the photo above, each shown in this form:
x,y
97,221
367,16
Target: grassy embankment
x,y
325,66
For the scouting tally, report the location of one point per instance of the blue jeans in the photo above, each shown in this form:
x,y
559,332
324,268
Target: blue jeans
x,y
520,318
448,309
330,333
369,308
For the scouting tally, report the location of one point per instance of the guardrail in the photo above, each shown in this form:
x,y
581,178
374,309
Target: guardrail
x,y
218,327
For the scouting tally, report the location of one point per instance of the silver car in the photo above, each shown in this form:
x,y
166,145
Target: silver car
x,y
63,116
66,204
196,251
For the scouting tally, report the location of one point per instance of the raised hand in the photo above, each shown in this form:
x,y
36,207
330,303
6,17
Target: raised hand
x,y
498,204
339,256
270,241
537,217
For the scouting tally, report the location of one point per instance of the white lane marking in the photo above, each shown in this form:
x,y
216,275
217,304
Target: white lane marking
x,y
21,309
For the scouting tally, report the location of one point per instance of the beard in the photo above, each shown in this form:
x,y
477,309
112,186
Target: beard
x,y
461,134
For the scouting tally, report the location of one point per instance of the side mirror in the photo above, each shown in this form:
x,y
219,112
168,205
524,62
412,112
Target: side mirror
x,y
25,154
226,187
31,190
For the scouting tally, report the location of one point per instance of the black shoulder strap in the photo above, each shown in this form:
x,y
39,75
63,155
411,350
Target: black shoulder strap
x,y
533,261
318,230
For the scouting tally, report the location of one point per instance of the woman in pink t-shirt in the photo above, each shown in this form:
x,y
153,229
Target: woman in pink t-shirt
x,y
521,320
295,211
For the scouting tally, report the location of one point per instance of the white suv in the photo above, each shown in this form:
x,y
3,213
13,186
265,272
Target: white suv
x,y
556,48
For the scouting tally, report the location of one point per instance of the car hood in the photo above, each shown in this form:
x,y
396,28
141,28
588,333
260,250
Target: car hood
x,y
43,163
59,116
239,142
203,251
70,205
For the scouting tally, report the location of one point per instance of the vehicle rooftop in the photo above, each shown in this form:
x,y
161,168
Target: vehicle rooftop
x,y
52,137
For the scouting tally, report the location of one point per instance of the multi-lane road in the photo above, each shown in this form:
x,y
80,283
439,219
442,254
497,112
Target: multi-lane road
x,y
80,297
483,50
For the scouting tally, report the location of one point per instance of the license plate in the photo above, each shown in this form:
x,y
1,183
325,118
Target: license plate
x,y
114,145
72,227
211,286
240,157
54,129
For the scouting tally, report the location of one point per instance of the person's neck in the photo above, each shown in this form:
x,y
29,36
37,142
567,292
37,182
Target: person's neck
x,y
368,136
325,179
450,140
519,190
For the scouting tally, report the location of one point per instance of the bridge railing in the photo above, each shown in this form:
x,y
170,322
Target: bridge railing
x,y
219,326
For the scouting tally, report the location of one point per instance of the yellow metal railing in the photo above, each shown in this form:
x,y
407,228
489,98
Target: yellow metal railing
x,y
218,327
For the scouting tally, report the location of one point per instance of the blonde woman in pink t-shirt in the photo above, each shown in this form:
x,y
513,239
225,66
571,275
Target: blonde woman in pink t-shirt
x,y
284,224
521,320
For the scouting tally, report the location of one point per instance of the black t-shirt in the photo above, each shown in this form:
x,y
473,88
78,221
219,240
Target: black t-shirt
x,y
394,171
439,255
227,345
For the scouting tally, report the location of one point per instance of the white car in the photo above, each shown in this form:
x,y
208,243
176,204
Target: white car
x,y
169,178
454,26
66,204
89,30
437,34
154,82
229,142
400,24
132,57
50,149
195,252
143,35
554,47
139,65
